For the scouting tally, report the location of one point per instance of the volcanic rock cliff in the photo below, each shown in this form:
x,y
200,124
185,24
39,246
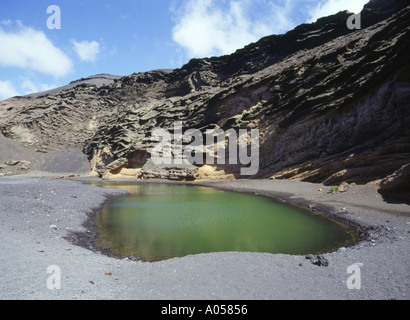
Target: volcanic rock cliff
x,y
332,105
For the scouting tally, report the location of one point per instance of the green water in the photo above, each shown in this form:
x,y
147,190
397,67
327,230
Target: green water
x,y
161,221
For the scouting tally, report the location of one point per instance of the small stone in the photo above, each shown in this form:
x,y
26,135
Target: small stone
x,y
311,257
13,163
344,187
322,261
54,227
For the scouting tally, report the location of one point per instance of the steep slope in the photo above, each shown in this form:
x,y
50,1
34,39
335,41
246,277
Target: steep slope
x,y
331,104
99,80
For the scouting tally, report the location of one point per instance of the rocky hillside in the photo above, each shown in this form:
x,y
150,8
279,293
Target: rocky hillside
x,y
332,105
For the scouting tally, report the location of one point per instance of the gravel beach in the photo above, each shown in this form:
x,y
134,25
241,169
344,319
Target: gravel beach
x,y
40,218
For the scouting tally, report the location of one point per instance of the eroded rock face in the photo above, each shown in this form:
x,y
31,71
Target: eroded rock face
x,y
14,167
331,104
398,183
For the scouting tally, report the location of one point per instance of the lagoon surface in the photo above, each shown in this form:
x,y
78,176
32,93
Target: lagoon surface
x,y
162,221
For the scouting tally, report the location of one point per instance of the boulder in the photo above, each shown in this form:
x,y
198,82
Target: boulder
x,y
398,183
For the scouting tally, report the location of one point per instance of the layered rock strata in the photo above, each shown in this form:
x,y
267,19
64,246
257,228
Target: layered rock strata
x,y
331,105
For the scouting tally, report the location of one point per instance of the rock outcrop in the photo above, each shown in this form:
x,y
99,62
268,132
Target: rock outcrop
x,y
332,105
397,184
14,167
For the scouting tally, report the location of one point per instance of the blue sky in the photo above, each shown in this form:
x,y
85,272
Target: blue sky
x,y
125,36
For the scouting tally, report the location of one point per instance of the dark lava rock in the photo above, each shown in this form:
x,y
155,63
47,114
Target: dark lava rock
x,y
332,105
318,260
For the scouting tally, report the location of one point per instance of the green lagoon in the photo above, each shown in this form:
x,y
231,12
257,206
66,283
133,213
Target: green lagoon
x,y
162,221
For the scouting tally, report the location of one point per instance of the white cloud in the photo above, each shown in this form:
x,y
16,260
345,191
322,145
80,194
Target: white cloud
x,y
206,27
86,50
30,49
30,87
6,22
26,86
7,90
329,7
